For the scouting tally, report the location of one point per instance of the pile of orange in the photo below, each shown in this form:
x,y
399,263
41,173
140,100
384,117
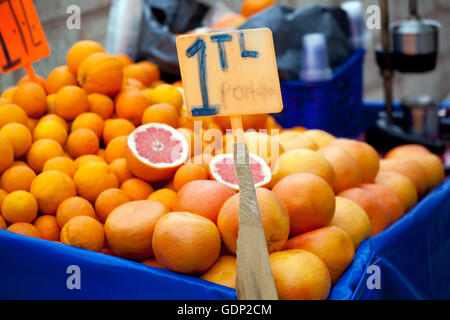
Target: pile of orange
x,y
65,178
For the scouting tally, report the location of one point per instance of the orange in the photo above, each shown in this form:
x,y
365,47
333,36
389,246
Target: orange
x,y
80,51
32,123
48,227
116,128
51,103
50,188
406,149
39,80
164,196
20,163
124,59
82,141
101,104
108,200
146,93
250,121
151,69
347,173
93,178
178,83
331,244
83,232
19,206
41,151
302,161
7,153
80,161
26,229
19,136
300,275
17,178
291,139
89,120
156,83
70,102
350,217
9,93
72,207
116,148
63,164
250,7
272,126
50,129
187,173
228,21
166,93
10,113
309,200
410,168
223,272
375,209
203,197
161,113
401,185
152,262
433,167
137,72
4,101
322,138
389,198
130,83
55,117
136,189
101,153
100,73
274,217
31,98
129,228
186,243
130,105
120,169
3,224
59,78
364,154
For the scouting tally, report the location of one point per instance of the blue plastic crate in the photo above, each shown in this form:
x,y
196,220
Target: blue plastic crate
x,y
334,105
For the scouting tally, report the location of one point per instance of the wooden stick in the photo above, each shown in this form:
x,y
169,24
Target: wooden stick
x,y
30,72
254,275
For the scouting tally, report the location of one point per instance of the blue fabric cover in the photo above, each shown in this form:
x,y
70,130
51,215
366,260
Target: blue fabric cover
x,y
413,256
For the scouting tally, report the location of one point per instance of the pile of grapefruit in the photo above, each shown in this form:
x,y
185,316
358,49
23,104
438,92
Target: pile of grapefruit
x,y
103,156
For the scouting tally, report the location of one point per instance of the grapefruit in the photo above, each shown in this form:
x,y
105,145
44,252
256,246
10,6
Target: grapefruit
x,y
221,168
155,151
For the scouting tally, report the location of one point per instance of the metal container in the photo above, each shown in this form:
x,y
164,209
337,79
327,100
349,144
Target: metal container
x,y
421,115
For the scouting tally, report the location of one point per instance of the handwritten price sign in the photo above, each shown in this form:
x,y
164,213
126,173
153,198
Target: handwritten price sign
x,y
22,39
230,73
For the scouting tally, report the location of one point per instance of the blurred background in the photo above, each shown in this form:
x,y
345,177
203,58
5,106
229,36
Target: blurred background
x,y
94,21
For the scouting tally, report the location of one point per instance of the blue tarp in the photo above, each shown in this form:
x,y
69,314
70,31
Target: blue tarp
x,y
413,257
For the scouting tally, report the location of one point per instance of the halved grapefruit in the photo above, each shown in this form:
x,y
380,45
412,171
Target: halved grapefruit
x,y
221,169
155,151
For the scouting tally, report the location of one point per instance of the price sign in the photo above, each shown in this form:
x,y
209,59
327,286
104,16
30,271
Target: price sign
x,y
230,73
22,39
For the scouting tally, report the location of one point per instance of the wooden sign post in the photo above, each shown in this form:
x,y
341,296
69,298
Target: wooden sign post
x,y
231,74
22,39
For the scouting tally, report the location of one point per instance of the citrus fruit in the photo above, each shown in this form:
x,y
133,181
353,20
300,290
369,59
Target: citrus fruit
x,y
63,164
155,151
223,272
129,228
161,113
274,217
187,173
433,167
166,93
81,142
59,78
12,113
406,150
164,196
302,161
410,168
24,228
151,69
7,152
116,128
41,151
221,168
31,98
300,275
101,104
186,243
55,117
250,7
375,209
19,136
388,197
100,73
116,148
320,137
93,178
124,59
82,160
401,185
108,200
50,188
152,262
17,178
9,93
331,244
70,102
136,189
37,79
80,51
19,206
89,120
291,139
73,207
350,217
137,72
203,197
120,169
50,129
83,232
48,227
309,200
130,105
